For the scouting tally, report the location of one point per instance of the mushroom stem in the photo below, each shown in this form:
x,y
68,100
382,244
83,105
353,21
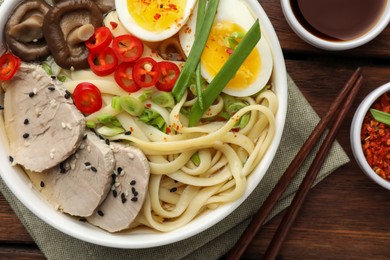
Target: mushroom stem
x,y
80,34
29,30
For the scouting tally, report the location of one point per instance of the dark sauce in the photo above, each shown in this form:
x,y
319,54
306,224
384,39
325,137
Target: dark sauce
x,y
338,20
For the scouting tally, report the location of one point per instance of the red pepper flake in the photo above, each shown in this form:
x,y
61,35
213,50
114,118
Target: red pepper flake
x,y
157,16
375,138
148,105
113,25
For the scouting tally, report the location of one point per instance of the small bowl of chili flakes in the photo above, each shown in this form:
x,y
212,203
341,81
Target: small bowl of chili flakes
x,y
370,135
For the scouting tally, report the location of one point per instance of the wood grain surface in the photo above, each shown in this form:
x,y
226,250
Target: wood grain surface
x,y
346,216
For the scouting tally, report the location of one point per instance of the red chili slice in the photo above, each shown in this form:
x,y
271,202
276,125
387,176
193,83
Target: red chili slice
x,y
87,98
103,63
168,76
127,48
9,65
124,77
99,40
146,72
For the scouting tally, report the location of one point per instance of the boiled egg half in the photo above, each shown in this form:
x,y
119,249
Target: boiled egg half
x,y
232,21
154,20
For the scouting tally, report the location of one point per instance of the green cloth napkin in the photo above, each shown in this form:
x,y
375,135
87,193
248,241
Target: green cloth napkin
x,y
217,240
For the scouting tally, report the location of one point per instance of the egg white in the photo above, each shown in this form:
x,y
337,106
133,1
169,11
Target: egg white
x,y
134,28
234,11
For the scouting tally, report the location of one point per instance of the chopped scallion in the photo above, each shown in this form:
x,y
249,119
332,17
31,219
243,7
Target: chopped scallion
x,y
115,104
196,51
131,105
110,131
163,99
380,116
226,73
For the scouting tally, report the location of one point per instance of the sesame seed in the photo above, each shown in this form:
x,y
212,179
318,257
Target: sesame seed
x,y
100,213
119,170
67,94
85,137
26,121
128,133
87,164
31,94
107,142
53,77
51,88
11,159
123,200
93,169
63,125
131,155
114,193
134,199
83,219
134,191
42,184
26,135
133,182
174,189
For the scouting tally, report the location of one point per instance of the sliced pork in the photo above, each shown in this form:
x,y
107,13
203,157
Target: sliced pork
x,y
129,187
43,126
78,185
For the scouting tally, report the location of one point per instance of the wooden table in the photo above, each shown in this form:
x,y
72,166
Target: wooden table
x,y
346,216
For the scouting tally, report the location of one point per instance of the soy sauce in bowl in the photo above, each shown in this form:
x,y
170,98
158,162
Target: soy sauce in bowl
x,y
338,20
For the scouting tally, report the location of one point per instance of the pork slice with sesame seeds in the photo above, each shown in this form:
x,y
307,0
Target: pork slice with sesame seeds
x,y
129,187
78,185
34,109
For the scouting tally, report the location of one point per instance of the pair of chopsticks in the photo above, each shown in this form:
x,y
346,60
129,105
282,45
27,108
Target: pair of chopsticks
x,y
343,100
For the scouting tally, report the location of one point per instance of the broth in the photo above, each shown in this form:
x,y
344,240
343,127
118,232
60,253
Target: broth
x,y
338,20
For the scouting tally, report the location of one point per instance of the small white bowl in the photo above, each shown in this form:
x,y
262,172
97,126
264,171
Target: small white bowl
x,y
356,127
334,45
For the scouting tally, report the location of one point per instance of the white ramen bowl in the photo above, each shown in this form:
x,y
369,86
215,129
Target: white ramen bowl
x,y
21,187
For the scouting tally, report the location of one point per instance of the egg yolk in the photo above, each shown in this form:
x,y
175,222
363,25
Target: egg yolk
x,y
156,15
224,37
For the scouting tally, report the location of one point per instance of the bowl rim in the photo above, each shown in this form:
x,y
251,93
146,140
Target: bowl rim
x,y
355,132
19,183
329,45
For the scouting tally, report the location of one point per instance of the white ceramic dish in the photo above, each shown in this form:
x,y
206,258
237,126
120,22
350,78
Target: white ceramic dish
x,y
330,45
356,127
20,185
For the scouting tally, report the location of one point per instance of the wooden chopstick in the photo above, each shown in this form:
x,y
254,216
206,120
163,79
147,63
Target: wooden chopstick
x,y
259,218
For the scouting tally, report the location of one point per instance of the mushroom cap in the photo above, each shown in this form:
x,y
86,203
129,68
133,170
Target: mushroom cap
x,y
60,21
23,31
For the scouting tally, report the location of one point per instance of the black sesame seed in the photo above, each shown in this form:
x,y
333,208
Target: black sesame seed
x,y
134,191
114,193
26,121
67,94
93,169
174,189
87,164
51,88
1,107
128,133
26,135
53,77
85,137
11,159
175,181
83,219
42,184
100,213
119,170
123,200
107,142
133,182
123,195
134,199
31,94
